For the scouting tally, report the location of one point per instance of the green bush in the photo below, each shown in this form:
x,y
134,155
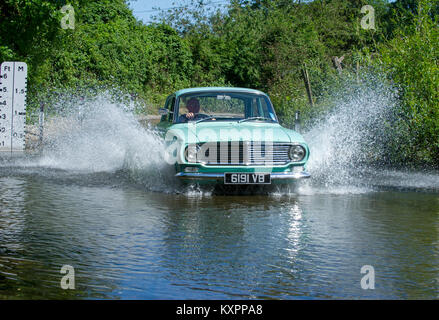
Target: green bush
x,y
411,60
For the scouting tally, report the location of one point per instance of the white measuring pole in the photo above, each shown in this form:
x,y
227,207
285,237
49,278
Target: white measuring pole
x,y
13,88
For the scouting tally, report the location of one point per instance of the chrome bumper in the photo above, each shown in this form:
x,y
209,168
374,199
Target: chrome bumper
x,y
220,176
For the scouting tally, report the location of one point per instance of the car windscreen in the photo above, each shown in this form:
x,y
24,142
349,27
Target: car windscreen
x,y
221,106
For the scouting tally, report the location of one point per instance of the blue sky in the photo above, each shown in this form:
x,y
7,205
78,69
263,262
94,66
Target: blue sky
x,y
144,9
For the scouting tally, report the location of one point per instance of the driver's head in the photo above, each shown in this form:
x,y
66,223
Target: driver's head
x,y
193,105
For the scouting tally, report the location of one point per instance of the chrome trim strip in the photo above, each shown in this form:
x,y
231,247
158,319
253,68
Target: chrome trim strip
x,y
220,176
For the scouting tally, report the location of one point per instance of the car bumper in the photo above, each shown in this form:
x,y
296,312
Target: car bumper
x,y
275,176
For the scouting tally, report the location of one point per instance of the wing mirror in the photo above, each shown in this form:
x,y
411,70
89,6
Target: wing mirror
x,y
163,111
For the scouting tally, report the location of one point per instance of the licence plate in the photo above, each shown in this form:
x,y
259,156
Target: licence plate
x,y
247,178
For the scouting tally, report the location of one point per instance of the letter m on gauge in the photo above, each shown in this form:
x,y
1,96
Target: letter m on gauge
x,y
13,82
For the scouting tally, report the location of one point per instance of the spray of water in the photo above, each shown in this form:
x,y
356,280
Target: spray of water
x,y
99,136
349,145
350,137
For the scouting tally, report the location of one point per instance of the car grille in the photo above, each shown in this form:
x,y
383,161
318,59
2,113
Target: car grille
x,y
243,153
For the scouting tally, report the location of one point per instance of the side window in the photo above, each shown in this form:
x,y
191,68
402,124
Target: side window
x,y
169,104
164,117
171,109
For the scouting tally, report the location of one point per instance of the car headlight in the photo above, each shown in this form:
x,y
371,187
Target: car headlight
x,y
297,153
190,153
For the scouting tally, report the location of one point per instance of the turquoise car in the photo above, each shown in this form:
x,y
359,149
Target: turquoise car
x,y
230,136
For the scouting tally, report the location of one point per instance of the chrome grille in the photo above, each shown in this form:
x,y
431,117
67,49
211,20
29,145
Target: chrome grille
x,y
244,153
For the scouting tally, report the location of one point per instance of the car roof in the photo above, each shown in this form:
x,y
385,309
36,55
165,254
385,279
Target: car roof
x,y
217,89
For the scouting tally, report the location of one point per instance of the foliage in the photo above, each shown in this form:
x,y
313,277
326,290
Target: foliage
x,y
411,59
262,44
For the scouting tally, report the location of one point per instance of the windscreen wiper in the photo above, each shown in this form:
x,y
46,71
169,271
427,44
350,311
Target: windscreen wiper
x,y
207,118
255,118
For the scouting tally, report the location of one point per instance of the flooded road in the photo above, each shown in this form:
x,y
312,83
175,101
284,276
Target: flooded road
x,y
100,199
125,242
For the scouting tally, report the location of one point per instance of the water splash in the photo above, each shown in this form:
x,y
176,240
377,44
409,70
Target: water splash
x,y
100,136
351,137
350,145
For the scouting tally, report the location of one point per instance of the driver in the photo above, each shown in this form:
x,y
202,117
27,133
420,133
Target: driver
x,y
193,107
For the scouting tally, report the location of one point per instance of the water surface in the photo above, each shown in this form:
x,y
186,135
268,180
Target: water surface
x,y
126,242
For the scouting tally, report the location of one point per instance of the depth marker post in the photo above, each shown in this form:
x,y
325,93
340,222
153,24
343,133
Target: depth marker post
x,y
13,89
